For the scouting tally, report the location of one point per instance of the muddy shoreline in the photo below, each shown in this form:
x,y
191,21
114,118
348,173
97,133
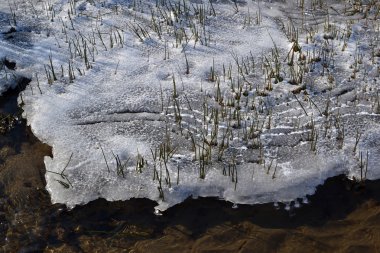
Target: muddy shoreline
x,y
341,216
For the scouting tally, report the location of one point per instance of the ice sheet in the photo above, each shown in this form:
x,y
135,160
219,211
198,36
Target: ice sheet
x,y
120,105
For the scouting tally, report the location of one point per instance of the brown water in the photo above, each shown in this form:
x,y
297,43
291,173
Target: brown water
x,y
342,216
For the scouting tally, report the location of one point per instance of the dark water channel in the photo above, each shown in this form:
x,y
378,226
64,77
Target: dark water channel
x,y
13,127
30,223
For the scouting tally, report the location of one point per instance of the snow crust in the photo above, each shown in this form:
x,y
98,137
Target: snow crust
x,y
8,78
120,105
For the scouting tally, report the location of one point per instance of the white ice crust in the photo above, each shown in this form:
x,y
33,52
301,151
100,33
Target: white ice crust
x,y
8,77
115,106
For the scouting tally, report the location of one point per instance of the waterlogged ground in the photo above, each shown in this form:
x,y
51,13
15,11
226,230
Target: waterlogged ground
x,y
245,101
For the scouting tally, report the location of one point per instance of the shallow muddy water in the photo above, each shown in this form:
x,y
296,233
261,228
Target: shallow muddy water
x,y
341,216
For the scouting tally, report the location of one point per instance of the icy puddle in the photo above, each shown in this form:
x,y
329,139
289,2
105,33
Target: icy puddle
x,y
246,101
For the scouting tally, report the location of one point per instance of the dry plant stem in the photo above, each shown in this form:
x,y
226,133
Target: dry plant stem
x,y
66,184
299,102
38,84
357,138
105,159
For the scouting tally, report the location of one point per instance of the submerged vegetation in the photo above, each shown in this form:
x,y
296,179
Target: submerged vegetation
x,y
7,122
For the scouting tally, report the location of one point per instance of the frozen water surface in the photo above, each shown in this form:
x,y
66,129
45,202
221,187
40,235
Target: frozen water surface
x,y
246,101
8,77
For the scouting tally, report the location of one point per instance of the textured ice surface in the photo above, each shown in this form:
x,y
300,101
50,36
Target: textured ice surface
x,y
8,77
120,104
